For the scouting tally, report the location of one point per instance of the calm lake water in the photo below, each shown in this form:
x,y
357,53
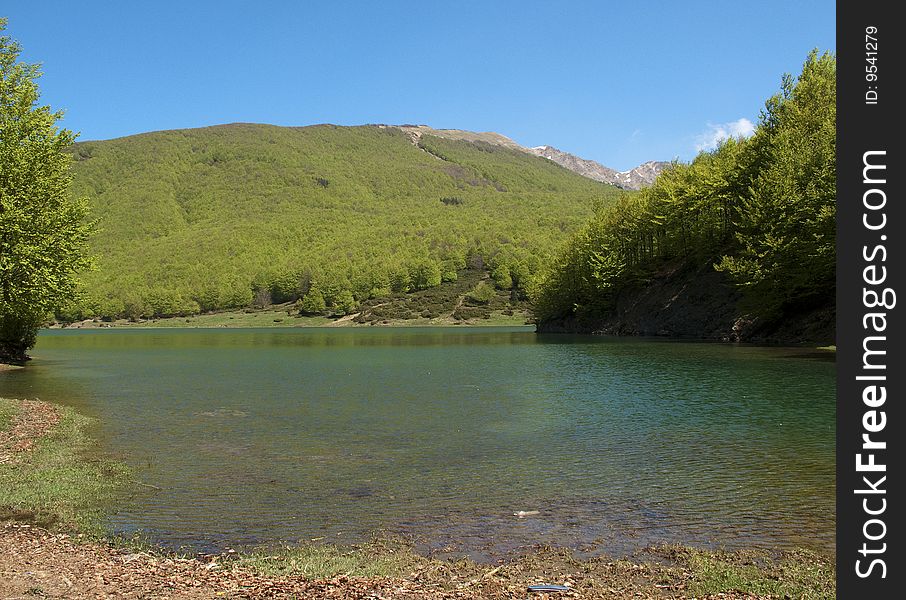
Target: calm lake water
x,y
256,437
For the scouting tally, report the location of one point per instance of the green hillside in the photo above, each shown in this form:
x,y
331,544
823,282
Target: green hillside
x,y
227,216
760,212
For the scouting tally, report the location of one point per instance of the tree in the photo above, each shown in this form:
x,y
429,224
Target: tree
x,y
344,303
43,230
788,229
312,303
425,274
399,280
762,208
501,276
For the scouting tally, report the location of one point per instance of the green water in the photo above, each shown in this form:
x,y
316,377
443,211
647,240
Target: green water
x,y
266,436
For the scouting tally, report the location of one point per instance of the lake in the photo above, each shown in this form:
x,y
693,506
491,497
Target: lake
x,y
263,436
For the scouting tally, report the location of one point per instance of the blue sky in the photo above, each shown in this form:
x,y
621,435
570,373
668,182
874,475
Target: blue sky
x,y
620,83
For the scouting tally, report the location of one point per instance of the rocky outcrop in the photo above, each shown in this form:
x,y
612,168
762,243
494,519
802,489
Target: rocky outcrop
x,y
634,179
643,175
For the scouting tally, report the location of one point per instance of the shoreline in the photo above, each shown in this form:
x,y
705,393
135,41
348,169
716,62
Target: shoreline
x,y
56,550
279,318
35,559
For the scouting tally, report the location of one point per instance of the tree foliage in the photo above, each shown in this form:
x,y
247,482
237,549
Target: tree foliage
x,y
217,218
43,232
760,209
787,237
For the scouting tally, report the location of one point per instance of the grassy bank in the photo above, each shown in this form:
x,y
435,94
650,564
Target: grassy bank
x,y
48,475
269,317
277,317
51,482
8,410
663,572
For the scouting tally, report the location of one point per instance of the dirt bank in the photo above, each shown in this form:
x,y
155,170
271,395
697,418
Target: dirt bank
x,y
35,563
700,303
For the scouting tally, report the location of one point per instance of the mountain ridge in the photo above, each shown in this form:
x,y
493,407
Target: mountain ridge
x,y
634,179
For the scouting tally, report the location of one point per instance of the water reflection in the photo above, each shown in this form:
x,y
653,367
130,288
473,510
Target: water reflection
x,y
264,436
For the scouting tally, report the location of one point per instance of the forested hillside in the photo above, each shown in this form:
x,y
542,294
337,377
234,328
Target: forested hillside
x,y
751,224
235,215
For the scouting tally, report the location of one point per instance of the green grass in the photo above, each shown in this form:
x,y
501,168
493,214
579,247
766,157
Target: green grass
x,y
60,482
277,317
265,318
801,574
500,319
272,317
377,559
8,410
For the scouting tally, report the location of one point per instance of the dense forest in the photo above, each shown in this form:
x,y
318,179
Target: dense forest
x,y
760,210
326,216
330,217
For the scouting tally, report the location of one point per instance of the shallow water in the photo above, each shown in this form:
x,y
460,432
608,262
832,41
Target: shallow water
x,y
266,436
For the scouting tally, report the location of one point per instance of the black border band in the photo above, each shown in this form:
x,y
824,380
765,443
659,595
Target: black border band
x,y
871,366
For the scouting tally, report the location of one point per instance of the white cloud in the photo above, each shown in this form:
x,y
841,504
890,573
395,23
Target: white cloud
x,y
715,134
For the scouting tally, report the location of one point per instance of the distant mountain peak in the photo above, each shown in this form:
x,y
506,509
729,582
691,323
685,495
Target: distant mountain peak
x,y
633,179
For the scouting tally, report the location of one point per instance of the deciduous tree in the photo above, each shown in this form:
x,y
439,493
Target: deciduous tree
x,y
43,230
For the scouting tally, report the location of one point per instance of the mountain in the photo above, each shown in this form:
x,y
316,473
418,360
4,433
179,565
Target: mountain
x,y
634,179
219,217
